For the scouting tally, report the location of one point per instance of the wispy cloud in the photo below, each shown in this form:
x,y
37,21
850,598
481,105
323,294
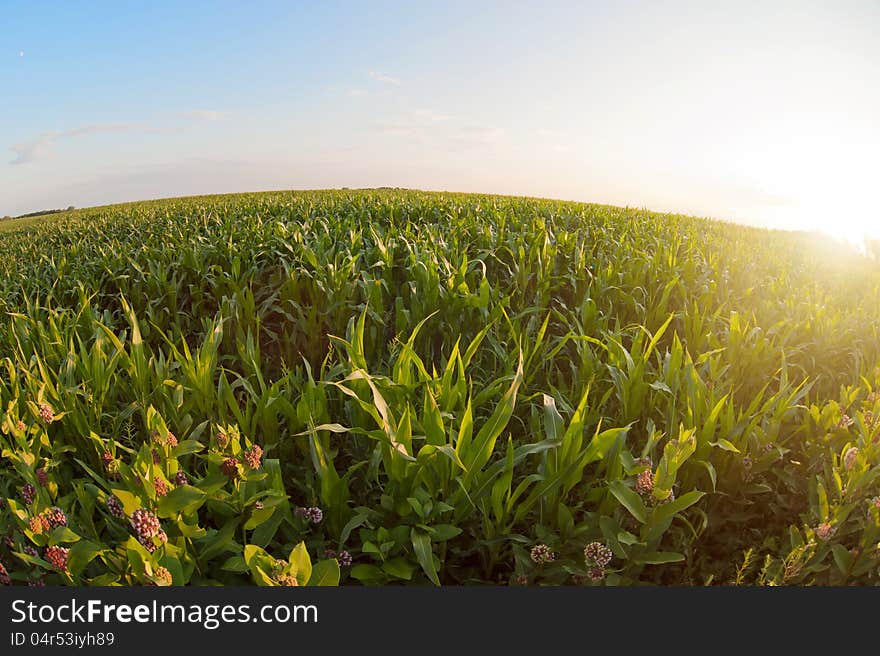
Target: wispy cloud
x,y
384,78
356,92
21,53
476,136
429,127
40,146
28,151
202,115
430,115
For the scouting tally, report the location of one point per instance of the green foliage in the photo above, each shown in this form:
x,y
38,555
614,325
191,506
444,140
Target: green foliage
x,y
393,387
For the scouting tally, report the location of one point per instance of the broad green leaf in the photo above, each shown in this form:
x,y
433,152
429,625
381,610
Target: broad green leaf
x,y
183,498
368,574
399,568
660,558
325,573
81,554
663,512
629,499
129,502
724,444
301,562
421,542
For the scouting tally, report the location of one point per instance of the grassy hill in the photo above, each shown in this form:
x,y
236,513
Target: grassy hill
x,y
399,387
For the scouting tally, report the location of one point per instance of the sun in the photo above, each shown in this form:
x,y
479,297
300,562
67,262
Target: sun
x,y
829,192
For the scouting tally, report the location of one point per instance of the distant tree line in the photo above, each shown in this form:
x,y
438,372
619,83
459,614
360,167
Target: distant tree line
x,y
40,213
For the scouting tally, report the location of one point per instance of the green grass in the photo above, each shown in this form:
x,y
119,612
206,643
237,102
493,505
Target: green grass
x,y
453,379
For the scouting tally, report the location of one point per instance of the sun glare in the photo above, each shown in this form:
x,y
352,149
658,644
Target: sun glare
x,y
827,186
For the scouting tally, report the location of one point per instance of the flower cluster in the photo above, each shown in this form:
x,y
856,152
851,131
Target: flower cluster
x,y
825,531
596,557
645,482
313,514
222,440
145,523
849,458
39,524
111,465
160,486
56,517
57,557
169,439
46,413
343,557
150,544
598,554
253,456
115,507
230,468
28,493
845,421
542,554
4,576
163,575
42,477
180,478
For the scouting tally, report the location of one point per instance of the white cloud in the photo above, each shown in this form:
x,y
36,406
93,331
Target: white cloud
x,y
202,115
27,151
100,127
476,137
482,133
430,115
419,121
356,92
21,53
39,146
441,131
384,78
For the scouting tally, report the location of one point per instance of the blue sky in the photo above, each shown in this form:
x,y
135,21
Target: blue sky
x,y
759,112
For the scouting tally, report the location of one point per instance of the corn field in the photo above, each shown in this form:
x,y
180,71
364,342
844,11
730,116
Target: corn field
x,y
390,387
